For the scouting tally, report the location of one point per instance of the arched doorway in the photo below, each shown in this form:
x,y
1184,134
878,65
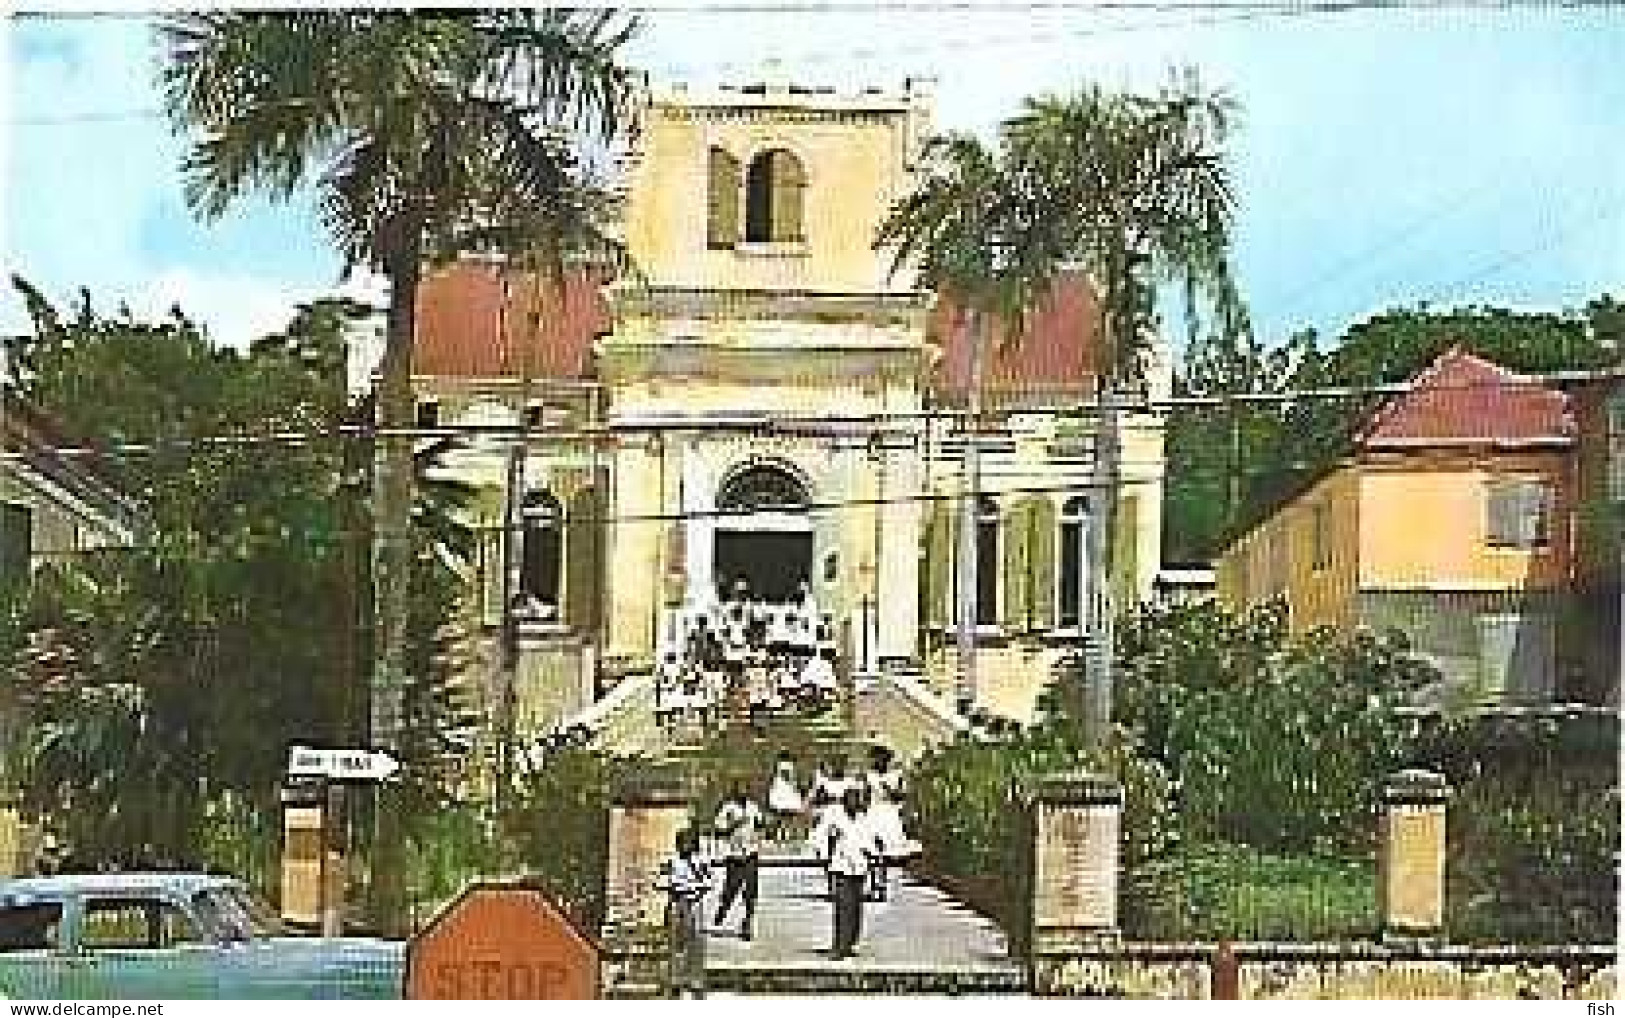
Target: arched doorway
x,y
763,535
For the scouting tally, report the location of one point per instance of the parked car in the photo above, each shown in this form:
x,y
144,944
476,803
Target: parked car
x,y
174,936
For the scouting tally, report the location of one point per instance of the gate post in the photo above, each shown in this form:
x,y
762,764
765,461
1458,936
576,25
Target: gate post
x,y
647,811
1077,822
1410,861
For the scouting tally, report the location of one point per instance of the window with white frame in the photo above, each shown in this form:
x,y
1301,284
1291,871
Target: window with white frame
x,y
1518,513
1074,535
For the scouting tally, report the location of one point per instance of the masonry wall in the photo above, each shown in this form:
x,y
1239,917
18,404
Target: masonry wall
x,y
1333,972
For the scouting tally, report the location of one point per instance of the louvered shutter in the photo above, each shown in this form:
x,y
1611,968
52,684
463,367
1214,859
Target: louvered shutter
x,y
722,200
1126,552
583,533
1502,504
1016,566
1536,513
1041,545
16,546
788,185
939,563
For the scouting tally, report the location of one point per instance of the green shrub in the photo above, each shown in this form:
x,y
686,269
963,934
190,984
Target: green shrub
x,y
1533,826
1275,742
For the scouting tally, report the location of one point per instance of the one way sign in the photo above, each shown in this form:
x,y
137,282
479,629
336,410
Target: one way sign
x,y
340,764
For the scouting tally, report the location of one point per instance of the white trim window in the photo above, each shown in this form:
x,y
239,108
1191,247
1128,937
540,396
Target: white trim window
x,y
1518,513
1072,574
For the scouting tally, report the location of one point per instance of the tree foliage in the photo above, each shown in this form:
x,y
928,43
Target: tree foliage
x,y
159,678
1231,466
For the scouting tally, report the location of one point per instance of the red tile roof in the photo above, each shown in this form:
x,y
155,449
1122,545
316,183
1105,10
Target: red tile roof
x,y
465,329
1057,351
462,332
1463,399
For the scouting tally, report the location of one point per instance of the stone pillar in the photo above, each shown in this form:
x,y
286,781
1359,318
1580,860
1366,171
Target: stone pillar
x,y
699,543
1077,821
1410,862
303,847
647,812
899,567
14,861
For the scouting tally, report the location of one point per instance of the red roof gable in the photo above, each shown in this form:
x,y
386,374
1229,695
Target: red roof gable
x,y
466,329
1463,399
1057,350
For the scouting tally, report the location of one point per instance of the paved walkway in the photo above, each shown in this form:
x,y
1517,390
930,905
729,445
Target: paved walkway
x,y
917,930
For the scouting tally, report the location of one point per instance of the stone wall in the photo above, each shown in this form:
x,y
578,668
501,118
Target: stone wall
x,y
1332,972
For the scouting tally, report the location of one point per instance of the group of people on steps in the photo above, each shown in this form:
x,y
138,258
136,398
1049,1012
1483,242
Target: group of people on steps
x,y
853,828
771,657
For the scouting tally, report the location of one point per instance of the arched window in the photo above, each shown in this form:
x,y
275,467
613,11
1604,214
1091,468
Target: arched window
x,y
763,486
773,198
1074,553
542,528
722,201
987,561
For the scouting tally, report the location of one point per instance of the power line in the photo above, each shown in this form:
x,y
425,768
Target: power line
x,y
809,426
1234,13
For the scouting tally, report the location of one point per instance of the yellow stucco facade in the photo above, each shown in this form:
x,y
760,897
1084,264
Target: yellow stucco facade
x,y
1408,540
804,358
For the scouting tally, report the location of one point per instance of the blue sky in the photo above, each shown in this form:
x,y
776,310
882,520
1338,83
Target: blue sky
x,y
1385,158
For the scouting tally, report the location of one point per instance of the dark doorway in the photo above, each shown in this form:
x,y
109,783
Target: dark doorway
x,y
772,563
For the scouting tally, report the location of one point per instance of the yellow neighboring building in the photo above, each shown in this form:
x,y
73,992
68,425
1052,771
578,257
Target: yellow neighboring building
x,y
1452,520
769,403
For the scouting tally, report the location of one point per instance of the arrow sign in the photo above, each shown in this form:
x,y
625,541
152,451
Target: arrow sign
x,y
340,764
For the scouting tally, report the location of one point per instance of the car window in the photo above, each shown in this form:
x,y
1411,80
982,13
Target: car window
x,y
236,913
30,926
135,923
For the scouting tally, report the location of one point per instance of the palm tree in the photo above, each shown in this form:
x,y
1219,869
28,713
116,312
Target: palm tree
x,y
1140,195
423,136
970,231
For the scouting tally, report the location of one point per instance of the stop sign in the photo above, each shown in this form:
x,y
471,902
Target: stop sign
x,y
500,942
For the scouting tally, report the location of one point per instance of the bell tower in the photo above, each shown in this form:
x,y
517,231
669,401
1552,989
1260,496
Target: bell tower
x,y
773,187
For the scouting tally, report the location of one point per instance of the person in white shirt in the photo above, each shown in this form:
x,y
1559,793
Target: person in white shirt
x,y
784,802
740,822
851,845
818,683
884,783
686,877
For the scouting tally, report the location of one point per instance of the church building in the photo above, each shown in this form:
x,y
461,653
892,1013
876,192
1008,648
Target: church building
x,y
770,405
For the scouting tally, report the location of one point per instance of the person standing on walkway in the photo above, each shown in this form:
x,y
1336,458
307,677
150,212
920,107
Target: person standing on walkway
x,y
685,877
740,822
851,846
884,783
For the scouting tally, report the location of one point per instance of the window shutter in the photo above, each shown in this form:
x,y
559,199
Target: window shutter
x,y
581,543
1126,552
1537,513
1016,565
16,545
1041,541
939,563
788,184
722,200
1502,523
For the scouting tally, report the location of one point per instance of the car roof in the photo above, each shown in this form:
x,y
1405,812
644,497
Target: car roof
x,y
111,883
